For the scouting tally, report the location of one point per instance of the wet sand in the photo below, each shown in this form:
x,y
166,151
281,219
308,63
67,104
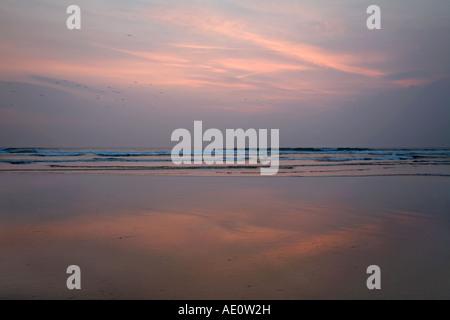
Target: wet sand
x,y
154,237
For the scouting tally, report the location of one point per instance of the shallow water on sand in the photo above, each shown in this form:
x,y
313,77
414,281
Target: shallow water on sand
x,y
154,237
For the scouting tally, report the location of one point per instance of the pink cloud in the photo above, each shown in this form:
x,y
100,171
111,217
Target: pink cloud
x,y
238,30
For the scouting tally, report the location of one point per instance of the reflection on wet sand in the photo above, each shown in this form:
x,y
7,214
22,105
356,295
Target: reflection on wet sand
x,y
293,244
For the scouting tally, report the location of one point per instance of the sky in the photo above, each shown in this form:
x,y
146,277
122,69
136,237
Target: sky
x,y
139,69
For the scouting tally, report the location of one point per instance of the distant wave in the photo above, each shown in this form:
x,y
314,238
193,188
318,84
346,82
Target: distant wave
x,y
293,161
364,151
68,153
282,151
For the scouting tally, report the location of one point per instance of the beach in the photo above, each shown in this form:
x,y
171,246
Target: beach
x,y
174,237
224,150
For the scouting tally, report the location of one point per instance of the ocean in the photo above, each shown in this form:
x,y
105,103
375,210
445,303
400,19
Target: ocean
x,y
295,162
140,227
